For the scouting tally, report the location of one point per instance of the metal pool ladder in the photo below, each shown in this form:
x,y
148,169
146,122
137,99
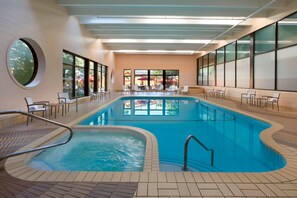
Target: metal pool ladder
x,y
38,148
186,151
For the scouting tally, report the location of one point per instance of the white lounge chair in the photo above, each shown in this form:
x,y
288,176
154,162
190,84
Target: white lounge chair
x,y
221,93
249,96
34,107
63,98
185,90
272,99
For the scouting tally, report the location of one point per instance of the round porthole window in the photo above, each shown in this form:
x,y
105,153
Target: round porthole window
x,y
25,62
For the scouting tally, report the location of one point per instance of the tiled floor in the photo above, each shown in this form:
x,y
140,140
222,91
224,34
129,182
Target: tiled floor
x,y
157,184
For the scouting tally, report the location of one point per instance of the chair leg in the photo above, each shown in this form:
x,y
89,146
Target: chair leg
x,y
27,120
277,106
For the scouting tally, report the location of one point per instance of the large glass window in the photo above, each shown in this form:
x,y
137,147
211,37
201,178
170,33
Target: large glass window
x,y
74,81
287,69
22,62
220,67
79,76
104,78
211,69
265,39
91,76
230,52
141,78
220,55
264,71
200,71
156,79
205,69
68,73
243,47
128,78
99,74
287,31
171,78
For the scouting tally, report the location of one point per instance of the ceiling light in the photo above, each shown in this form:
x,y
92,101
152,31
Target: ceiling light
x,y
167,20
185,52
187,41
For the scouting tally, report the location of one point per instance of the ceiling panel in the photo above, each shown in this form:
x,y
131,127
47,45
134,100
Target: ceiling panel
x,y
167,19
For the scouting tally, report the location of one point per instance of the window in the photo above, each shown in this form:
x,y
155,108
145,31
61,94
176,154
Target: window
x,y
156,79
68,73
243,47
104,78
74,72
230,52
141,78
287,31
211,69
128,78
200,71
23,63
220,67
265,39
99,74
79,76
205,69
220,55
171,78
91,76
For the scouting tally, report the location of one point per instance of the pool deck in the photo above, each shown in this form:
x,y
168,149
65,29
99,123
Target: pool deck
x,y
281,183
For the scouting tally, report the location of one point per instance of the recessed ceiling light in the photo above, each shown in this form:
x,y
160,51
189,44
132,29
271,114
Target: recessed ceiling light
x,y
187,41
185,52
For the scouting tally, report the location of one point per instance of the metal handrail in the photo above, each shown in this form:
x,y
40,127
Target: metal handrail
x,y
200,96
42,147
186,151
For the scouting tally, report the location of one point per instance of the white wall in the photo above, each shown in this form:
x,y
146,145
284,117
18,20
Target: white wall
x,y
54,30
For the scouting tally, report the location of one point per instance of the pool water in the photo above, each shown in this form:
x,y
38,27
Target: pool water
x,y
94,151
234,137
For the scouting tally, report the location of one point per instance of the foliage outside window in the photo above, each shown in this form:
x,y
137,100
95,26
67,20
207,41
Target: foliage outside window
x,y
22,62
141,78
171,78
230,52
68,58
104,78
220,55
265,39
91,76
99,74
156,79
68,73
243,47
79,76
287,31
128,78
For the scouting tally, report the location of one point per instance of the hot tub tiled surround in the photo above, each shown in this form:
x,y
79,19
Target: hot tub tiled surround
x,y
154,183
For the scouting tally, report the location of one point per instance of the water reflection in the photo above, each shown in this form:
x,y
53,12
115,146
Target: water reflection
x,y
157,107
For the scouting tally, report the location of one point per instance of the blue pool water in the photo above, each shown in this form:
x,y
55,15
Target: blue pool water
x,y
234,137
94,151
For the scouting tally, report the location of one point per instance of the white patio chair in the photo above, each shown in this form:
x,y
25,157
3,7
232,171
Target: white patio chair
x,y
33,107
185,90
221,93
272,99
64,99
249,96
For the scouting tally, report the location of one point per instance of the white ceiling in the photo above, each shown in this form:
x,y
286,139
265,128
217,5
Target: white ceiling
x,y
165,26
